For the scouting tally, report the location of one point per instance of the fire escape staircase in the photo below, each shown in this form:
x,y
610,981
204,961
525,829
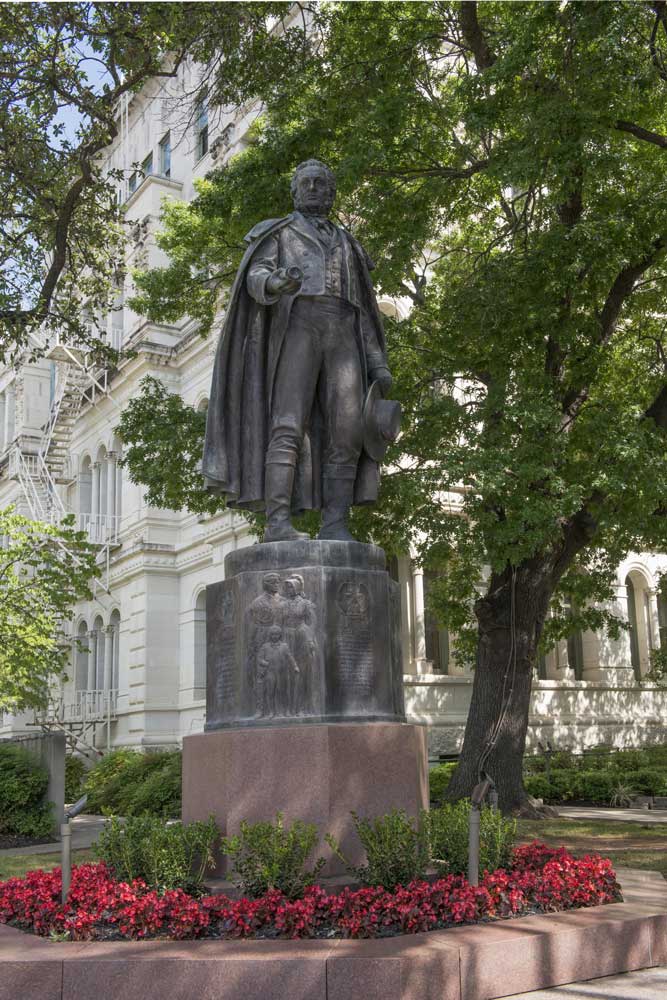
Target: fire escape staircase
x,y
39,473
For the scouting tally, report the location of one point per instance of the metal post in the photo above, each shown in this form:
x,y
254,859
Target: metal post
x,y
66,857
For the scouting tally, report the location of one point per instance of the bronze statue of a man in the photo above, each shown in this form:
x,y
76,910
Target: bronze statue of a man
x,y
295,419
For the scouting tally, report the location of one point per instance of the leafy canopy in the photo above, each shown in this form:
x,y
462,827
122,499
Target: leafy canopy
x,y
44,571
505,167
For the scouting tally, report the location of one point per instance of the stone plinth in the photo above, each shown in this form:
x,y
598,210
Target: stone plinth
x,y
316,773
305,630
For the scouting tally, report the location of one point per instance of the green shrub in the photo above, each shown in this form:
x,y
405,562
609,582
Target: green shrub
x,y
438,779
23,784
164,855
129,783
647,781
396,851
270,856
75,770
538,786
595,786
448,838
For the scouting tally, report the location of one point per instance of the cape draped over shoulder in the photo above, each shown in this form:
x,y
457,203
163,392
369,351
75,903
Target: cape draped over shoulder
x,y
237,422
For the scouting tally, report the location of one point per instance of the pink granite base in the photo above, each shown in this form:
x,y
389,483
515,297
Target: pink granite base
x,y
480,962
316,773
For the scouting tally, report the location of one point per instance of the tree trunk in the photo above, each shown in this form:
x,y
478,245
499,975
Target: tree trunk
x,y
511,616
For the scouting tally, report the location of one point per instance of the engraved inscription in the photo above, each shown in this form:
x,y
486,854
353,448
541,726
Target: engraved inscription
x,y
225,686
283,652
354,642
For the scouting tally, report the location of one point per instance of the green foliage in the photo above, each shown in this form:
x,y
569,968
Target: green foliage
x,y
448,838
438,779
128,783
23,784
75,770
163,440
55,193
272,856
164,855
598,786
516,183
44,570
396,851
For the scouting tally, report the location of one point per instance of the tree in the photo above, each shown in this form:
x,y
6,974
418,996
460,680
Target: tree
x,y
505,168
64,69
44,571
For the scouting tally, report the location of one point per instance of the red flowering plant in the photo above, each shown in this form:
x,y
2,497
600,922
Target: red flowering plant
x,y
538,879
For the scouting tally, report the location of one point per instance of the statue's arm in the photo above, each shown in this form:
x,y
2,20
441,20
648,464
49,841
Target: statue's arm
x,y
376,359
264,263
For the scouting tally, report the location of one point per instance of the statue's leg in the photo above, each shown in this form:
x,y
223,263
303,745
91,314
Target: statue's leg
x,y
293,394
342,388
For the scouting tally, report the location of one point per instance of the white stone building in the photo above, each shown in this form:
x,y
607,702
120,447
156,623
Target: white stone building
x,y
141,680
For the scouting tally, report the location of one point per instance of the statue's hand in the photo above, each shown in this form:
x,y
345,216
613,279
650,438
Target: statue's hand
x,y
284,282
383,376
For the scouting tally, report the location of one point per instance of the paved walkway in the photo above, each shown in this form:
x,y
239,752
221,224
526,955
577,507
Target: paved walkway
x,y
85,830
621,815
647,984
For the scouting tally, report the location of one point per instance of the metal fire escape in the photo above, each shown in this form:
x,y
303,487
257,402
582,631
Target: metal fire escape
x,y
39,473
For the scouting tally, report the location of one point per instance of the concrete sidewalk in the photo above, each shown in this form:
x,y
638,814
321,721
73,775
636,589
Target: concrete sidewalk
x,y
617,815
85,831
647,984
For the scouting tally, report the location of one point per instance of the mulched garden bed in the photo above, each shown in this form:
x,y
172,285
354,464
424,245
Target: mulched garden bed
x,y
8,840
540,879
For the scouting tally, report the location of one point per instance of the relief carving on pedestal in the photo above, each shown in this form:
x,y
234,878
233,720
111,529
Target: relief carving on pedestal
x,y
283,651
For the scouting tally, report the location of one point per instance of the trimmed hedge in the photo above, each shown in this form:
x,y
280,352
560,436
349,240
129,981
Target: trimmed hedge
x,y
23,784
594,786
129,783
438,779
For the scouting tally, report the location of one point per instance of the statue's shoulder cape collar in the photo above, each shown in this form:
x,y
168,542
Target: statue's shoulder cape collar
x,y
262,228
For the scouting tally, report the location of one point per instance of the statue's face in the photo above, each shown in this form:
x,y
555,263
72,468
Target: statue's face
x,y
312,193
271,583
290,588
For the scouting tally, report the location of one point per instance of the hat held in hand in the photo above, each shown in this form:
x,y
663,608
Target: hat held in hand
x,y
382,422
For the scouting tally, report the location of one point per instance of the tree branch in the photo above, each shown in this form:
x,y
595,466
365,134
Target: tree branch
x,y
642,133
452,173
473,35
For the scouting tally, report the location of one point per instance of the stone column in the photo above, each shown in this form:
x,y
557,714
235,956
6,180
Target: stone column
x,y
419,621
92,657
95,503
10,402
3,407
108,656
111,495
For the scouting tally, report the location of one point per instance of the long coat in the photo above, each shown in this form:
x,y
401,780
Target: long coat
x,y
237,424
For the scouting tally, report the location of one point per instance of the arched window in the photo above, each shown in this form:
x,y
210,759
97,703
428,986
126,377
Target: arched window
x,y
81,658
200,641
114,636
662,614
575,646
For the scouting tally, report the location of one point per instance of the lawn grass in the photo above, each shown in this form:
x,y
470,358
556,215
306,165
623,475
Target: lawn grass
x,y
627,845
12,865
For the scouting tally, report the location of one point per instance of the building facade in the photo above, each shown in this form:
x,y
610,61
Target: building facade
x,y
137,675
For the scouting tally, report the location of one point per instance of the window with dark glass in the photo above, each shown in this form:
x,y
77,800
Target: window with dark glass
x,y
165,155
662,615
132,183
575,645
201,130
147,165
632,622
435,635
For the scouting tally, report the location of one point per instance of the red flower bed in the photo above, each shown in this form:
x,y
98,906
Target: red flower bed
x,y
540,879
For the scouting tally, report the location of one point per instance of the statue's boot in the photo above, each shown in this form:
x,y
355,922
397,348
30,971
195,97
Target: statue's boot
x,y
338,495
278,483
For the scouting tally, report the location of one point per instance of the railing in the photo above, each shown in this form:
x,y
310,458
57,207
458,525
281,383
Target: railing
x,y
102,529
88,706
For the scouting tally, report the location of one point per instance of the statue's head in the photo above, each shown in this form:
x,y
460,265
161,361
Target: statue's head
x,y
271,583
289,588
275,634
313,188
